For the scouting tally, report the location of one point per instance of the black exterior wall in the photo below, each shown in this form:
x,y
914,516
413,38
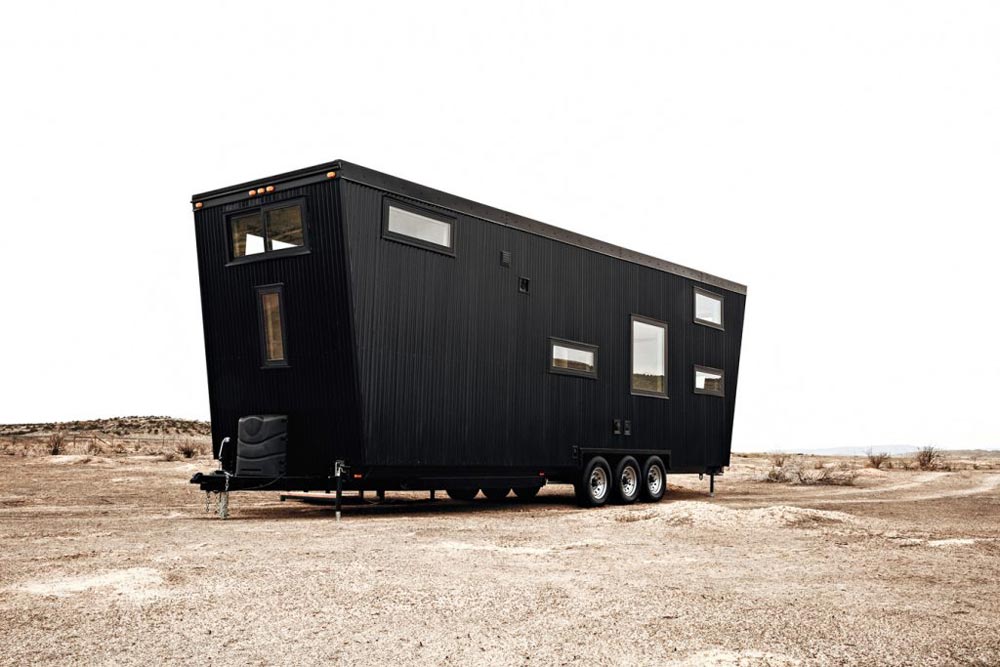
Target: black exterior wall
x,y
318,388
407,362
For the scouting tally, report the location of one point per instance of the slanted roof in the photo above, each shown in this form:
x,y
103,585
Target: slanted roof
x,y
358,174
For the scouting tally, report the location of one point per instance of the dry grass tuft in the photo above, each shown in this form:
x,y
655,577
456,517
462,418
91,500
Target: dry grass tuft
x,y
778,459
632,517
840,476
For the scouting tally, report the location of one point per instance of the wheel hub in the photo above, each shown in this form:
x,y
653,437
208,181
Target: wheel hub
x,y
629,481
654,480
598,483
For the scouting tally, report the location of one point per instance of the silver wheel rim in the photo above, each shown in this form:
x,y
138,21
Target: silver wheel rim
x,y
629,481
598,483
654,480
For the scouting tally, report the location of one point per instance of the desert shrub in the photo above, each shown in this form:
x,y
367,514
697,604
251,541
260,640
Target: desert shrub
x,y
56,443
927,458
819,464
776,475
189,449
840,476
95,448
168,456
877,460
778,459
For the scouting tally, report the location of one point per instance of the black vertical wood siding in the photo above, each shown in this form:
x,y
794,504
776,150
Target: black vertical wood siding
x,y
401,357
453,360
318,389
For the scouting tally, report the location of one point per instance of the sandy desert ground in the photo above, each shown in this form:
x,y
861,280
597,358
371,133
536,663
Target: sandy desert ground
x,y
113,560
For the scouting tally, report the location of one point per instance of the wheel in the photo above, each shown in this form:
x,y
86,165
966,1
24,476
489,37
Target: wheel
x,y
462,494
594,485
526,492
654,480
496,495
628,480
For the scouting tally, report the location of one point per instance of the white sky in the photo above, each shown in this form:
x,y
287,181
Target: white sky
x,y
842,159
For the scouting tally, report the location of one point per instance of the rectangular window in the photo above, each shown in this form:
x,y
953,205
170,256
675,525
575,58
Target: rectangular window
x,y
709,381
707,308
417,226
272,326
649,357
279,228
567,357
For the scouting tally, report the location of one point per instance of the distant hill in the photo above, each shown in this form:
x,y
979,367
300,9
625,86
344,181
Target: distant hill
x,y
120,426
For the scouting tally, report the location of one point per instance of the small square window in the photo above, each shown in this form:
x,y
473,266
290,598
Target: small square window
x,y
568,357
417,226
708,308
710,381
523,285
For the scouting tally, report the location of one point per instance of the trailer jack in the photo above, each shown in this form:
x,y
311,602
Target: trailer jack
x,y
221,503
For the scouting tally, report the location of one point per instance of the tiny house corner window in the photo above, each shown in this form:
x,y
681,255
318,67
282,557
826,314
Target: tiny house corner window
x,y
416,226
273,347
649,357
275,229
710,381
567,357
708,308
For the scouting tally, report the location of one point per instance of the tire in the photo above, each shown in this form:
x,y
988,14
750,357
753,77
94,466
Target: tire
x,y
594,485
628,481
654,480
526,492
496,495
462,494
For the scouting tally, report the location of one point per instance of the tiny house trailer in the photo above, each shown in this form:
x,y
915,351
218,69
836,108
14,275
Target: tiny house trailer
x,y
364,332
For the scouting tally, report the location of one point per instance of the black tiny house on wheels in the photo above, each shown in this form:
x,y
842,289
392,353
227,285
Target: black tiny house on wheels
x,y
413,339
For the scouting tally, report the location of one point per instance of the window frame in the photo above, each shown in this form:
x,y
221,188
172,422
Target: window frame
x,y
709,369
261,210
389,202
631,356
260,291
575,345
722,308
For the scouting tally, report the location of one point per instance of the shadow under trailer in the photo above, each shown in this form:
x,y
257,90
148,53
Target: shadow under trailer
x,y
363,332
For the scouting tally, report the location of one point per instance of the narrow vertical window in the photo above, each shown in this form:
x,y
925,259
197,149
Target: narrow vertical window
x,y
272,326
649,357
707,308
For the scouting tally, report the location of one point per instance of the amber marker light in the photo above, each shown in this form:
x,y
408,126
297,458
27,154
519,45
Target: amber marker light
x,y
260,191
198,204
331,174
357,475
269,188
252,193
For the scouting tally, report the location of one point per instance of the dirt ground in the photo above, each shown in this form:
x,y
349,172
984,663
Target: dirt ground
x,y
114,561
